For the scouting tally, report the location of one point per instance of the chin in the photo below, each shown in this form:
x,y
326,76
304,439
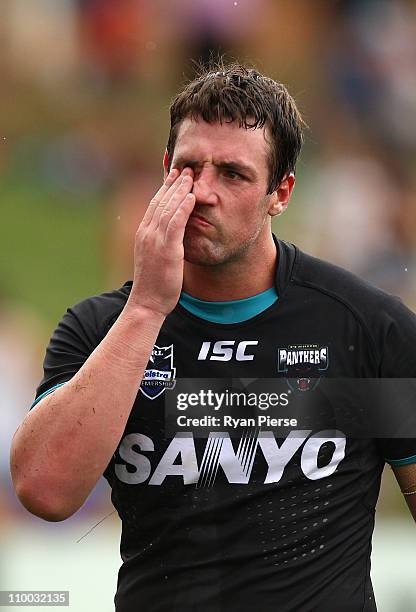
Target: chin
x,y
202,252
198,258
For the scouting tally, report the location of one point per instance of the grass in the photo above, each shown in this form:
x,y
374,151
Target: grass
x,y
50,246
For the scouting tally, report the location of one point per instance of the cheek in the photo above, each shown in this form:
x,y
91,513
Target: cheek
x,y
248,208
249,196
244,221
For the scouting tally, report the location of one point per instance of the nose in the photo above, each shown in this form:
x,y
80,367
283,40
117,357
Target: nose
x,y
204,187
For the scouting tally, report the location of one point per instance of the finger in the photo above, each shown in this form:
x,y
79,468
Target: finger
x,y
164,201
175,202
168,182
176,227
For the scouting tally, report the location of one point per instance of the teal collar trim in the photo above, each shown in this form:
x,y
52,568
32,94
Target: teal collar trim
x,y
234,311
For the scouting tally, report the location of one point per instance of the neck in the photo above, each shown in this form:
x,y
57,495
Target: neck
x,y
250,274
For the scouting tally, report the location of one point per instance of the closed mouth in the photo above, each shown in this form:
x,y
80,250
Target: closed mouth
x,y
199,218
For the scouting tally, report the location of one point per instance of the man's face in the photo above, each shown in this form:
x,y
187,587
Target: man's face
x,y
230,185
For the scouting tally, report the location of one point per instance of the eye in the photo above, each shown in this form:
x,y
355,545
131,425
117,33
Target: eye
x,y
234,176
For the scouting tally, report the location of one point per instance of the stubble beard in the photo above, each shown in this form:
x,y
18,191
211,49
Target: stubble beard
x,y
204,251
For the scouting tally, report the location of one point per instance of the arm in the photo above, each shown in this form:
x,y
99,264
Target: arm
x,y
398,337
65,443
406,478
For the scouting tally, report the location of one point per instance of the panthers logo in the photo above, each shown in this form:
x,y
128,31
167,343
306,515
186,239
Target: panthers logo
x,y
302,365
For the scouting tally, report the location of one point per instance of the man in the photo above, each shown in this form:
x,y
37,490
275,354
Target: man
x,y
277,523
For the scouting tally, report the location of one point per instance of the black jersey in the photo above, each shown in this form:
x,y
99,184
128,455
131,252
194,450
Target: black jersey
x,y
227,523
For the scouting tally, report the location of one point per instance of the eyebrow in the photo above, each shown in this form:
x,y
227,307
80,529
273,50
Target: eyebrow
x,y
234,166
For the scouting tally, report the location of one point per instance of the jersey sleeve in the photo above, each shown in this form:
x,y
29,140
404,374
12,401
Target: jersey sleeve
x,y
398,362
72,342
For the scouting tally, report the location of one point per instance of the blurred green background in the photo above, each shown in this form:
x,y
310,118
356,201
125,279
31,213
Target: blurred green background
x,y
84,96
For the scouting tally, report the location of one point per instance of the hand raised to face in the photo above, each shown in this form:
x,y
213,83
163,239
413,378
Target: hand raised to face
x,y
158,249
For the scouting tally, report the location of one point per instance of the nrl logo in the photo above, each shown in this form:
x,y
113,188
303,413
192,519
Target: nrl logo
x,y
303,363
160,372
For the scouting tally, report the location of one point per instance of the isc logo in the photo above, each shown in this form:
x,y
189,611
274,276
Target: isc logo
x,y
224,350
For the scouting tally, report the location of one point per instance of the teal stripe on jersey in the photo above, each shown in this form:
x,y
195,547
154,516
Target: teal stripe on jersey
x,y
404,461
234,311
45,394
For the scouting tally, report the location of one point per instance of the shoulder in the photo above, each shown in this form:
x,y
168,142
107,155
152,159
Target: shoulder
x,y
99,312
336,283
387,322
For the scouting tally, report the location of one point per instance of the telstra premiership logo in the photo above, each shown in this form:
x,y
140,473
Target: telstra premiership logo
x,y
160,372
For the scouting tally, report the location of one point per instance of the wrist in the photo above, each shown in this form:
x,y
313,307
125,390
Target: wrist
x,y
141,313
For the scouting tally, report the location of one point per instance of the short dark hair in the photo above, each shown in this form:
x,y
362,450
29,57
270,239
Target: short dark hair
x,y
233,92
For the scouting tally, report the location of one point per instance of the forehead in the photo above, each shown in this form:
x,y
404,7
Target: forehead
x,y
202,141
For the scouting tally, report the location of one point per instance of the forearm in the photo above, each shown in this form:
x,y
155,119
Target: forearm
x,y
65,443
406,478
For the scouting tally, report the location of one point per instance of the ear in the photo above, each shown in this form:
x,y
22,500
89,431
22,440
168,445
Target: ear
x,y
165,163
279,199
